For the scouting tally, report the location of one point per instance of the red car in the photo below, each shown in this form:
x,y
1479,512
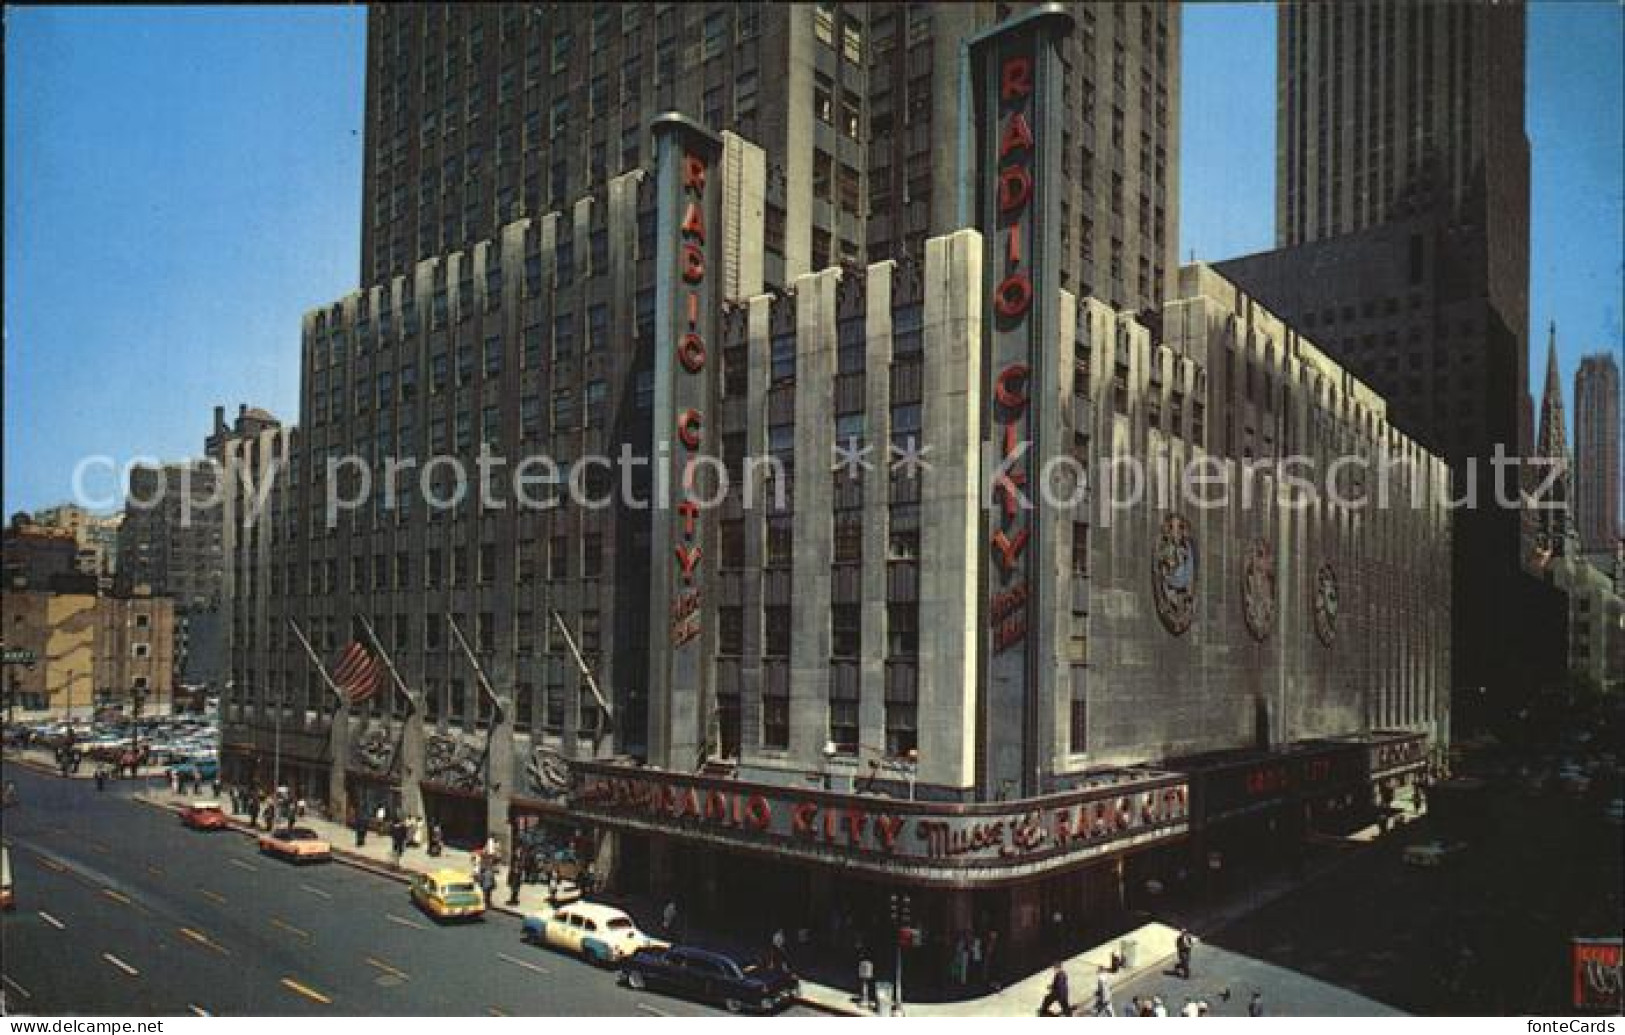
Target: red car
x,y
204,815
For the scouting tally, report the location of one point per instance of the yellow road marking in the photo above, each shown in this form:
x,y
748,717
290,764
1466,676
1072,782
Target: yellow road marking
x,y
212,896
116,896
200,1011
304,990
646,1008
51,864
278,922
494,1012
392,918
205,940
387,969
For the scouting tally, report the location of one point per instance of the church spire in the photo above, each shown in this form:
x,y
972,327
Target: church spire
x,y
1551,495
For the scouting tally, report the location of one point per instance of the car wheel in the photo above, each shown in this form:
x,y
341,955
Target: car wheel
x,y
733,1005
634,980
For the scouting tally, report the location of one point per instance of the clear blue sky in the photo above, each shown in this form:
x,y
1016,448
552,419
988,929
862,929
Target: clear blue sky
x,y
183,184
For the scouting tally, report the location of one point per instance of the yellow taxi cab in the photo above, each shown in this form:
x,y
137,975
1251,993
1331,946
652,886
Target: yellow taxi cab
x,y
300,844
448,895
597,932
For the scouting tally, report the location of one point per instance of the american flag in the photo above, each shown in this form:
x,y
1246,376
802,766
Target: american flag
x,y
357,673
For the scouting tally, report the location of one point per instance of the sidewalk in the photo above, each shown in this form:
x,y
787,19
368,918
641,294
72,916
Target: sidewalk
x,y
1153,941
44,761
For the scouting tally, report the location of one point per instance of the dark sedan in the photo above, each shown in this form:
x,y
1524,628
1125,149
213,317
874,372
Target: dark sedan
x,y
711,977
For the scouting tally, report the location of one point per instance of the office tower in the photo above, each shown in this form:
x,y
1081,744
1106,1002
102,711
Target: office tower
x,y
1597,454
478,115
1402,229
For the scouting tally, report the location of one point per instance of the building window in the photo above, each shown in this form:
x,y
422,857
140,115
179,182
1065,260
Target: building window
x,y
592,556
777,623
731,631
775,721
846,627
524,700
558,557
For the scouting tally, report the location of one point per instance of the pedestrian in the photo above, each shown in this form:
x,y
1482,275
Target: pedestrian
x,y
1103,994
516,877
360,827
668,919
866,979
215,784
1184,945
991,958
437,840
1190,1009
488,882
959,965
174,780
978,959
101,778
1255,1005
397,840
1057,994
1158,1007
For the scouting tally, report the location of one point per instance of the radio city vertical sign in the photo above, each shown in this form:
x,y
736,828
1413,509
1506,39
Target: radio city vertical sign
x,y
1018,122
687,300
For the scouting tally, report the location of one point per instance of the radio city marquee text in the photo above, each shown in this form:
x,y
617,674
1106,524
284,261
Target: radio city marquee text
x,y
1012,305
691,360
1008,836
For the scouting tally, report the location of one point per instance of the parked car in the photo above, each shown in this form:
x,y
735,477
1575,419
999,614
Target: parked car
x,y
448,895
300,845
602,934
197,768
1433,853
709,976
204,815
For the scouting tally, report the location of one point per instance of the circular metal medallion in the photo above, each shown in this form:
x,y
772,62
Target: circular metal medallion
x,y
1326,604
1258,590
1173,574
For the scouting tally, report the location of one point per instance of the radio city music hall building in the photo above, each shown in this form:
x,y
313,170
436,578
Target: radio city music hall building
x,y
903,678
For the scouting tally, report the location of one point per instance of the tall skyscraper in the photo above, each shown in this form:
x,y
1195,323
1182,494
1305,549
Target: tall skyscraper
x,y
478,115
1402,225
1597,453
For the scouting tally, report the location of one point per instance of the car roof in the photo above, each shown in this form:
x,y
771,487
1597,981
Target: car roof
x,y
449,876
594,911
205,805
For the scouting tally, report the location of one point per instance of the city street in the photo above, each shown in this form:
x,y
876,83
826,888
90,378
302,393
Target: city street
x,y
120,910
1487,933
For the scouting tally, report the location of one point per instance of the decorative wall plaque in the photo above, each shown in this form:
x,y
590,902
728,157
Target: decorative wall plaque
x,y
1326,604
549,772
1173,574
1258,590
373,751
452,763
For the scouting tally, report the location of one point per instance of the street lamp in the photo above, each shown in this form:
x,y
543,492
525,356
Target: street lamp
x,y
901,915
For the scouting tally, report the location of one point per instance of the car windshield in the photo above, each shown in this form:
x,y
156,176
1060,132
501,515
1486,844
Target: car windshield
x,y
619,924
459,889
300,834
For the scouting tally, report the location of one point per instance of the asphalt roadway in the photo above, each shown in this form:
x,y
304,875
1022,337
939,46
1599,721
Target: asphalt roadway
x,y
122,911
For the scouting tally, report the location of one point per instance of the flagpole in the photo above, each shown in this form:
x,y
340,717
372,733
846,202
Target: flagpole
x,y
605,712
479,673
395,677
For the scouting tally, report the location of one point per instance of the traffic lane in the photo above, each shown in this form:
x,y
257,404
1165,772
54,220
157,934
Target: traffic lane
x,y
378,954
80,950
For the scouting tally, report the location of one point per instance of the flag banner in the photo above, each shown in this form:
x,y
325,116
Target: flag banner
x,y
357,673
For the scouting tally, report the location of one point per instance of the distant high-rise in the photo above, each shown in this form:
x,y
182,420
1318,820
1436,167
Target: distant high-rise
x,y
1402,225
1553,495
1597,453
478,115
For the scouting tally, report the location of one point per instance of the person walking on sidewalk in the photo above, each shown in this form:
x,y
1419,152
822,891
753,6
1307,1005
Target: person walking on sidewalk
x,y
1057,994
668,919
1184,945
488,881
361,827
1103,994
397,840
1255,1005
516,877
